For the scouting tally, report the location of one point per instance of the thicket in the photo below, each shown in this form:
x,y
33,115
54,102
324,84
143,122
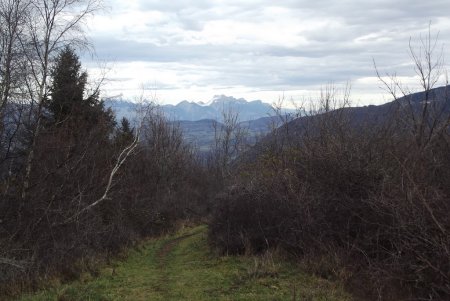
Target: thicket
x,y
53,227
359,195
76,185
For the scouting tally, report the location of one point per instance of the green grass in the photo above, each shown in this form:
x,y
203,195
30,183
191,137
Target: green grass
x,y
185,269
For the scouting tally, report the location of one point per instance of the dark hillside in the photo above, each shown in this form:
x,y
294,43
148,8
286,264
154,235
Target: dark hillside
x,y
356,193
370,116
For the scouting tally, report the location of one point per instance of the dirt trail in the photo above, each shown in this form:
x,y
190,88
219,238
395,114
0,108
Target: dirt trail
x,y
163,260
168,247
184,268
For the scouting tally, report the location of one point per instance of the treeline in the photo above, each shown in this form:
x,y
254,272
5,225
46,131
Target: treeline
x,y
357,195
75,184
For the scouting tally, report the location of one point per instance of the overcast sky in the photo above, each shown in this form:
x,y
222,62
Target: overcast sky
x,y
259,49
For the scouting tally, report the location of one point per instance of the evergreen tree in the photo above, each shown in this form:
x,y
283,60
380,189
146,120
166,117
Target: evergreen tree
x,y
125,128
125,133
68,86
68,104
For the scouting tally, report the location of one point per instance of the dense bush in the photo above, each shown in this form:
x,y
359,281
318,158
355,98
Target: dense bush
x,y
254,217
74,201
47,232
375,192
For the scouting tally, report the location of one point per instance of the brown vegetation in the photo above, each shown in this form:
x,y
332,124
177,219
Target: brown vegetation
x,y
73,183
360,197
367,194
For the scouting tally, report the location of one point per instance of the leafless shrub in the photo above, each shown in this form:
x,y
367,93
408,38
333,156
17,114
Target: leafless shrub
x,y
93,188
370,186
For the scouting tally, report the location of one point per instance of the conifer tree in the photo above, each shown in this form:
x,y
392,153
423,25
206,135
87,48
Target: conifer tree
x,y
68,86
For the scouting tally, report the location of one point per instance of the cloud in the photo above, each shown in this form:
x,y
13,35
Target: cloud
x,y
259,45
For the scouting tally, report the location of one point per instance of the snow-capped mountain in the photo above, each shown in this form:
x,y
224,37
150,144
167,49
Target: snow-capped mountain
x,y
193,111
220,104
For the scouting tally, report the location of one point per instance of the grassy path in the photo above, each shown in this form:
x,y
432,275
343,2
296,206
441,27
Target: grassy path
x,y
181,267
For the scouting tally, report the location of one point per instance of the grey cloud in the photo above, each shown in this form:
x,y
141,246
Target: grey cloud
x,y
131,50
158,85
173,6
276,66
119,79
360,31
351,9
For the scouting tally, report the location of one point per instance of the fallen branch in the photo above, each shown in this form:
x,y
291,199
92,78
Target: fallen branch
x,y
123,156
14,263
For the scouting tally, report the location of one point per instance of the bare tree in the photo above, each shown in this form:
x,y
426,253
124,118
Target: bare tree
x,y
428,121
51,24
13,14
229,140
144,111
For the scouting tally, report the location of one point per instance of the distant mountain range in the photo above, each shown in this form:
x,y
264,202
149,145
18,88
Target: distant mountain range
x,y
256,117
194,111
201,133
219,105
197,119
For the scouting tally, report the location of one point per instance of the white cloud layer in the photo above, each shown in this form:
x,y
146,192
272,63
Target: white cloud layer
x,y
258,48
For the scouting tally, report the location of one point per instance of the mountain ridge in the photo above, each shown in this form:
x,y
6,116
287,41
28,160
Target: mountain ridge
x,y
216,108
373,116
